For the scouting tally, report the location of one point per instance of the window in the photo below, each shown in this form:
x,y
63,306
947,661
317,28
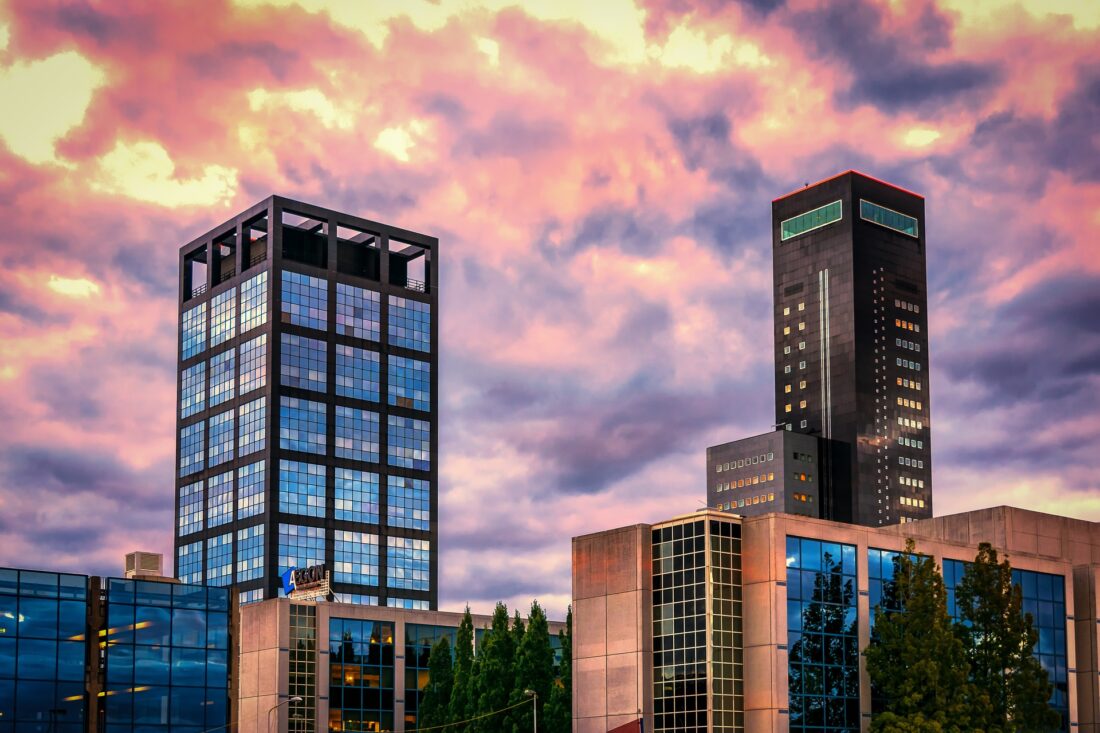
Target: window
x,y
219,560
801,325
801,306
221,438
357,434
356,498
300,546
254,364
220,495
801,345
357,312
804,423
786,330
786,349
301,488
410,383
409,443
408,503
223,377
801,365
811,220
303,363
786,368
786,389
787,311
305,300
250,490
193,330
877,214
802,404
787,407
407,561
802,384
193,390
410,324
356,558
356,373
189,563
250,553
302,426
191,508
192,448
223,317
251,434
254,302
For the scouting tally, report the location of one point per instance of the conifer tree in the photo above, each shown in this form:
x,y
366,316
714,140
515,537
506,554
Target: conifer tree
x,y
559,708
534,671
459,706
915,660
433,709
998,638
495,678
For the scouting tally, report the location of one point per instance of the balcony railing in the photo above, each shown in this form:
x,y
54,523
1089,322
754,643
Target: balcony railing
x,y
257,259
198,290
417,285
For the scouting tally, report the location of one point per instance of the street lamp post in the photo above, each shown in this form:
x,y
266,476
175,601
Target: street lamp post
x,y
535,709
275,707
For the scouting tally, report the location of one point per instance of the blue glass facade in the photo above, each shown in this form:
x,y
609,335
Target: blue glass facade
x,y
419,640
1044,597
167,658
822,638
299,355
160,650
43,632
361,667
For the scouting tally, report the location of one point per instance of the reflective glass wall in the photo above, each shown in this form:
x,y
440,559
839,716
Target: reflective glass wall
x,y
822,638
43,638
166,657
419,640
361,675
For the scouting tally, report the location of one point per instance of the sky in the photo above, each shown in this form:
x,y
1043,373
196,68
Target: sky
x,y
599,176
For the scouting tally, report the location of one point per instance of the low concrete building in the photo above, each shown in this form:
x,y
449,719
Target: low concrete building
x,y
355,667
714,622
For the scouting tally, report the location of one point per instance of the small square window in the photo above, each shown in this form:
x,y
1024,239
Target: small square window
x,y
787,311
801,345
801,326
803,423
802,384
801,365
802,404
801,306
786,368
786,349
787,389
786,330
787,407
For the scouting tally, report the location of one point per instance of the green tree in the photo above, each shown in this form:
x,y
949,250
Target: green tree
x,y
495,676
434,704
558,715
998,639
915,660
459,707
534,670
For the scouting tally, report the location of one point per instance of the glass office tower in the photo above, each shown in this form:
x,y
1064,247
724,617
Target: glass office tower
x,y
307,429
851,343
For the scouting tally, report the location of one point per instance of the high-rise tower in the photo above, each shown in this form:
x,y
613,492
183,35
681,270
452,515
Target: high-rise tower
x,y
851,343
307,392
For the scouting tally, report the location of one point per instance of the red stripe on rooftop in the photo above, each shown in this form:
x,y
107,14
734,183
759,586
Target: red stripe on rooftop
x,y
838,175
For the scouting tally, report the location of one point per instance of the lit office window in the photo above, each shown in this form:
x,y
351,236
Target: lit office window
x,y
193,330
407,563
219,560
356,498
251,435
356,434
409,443
250,490
223,317
410,383
254,364
254,302
408,503
219,490
222,377
410,324
193,390
305,300
191,511
301,488
304,363
356,373
192,448
302,426
357,312
250,553
356,558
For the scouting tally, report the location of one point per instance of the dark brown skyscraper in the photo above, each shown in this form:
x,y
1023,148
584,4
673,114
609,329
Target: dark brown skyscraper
x,y
851,343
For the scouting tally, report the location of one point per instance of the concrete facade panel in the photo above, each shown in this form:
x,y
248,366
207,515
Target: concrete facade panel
x,y
623,622
590,627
